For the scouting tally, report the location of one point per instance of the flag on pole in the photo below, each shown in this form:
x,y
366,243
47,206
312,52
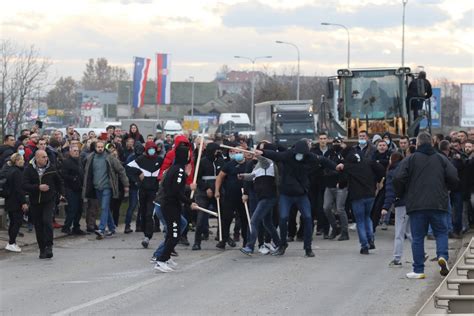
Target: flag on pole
x,y
163,79
140,75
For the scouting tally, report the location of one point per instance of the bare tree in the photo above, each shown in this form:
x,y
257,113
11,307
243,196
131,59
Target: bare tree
x,y
7,52
24,72
99,75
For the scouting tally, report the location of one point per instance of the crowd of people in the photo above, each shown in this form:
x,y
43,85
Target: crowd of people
x,y
425,186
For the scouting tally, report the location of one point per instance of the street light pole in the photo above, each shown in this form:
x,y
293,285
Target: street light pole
x,y
192,99
252,105
298,73
403,32
348,41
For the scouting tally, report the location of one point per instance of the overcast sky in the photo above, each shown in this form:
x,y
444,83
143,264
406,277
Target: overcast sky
x,y
202,35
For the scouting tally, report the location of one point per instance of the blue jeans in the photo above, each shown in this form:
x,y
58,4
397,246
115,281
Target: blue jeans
x,y
106,218
362,209
183,224
73,210
448,217
263,212
457,206
419,221
132,205
302,201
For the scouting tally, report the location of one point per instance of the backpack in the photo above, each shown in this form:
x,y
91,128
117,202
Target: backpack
x,y
4,183
420,88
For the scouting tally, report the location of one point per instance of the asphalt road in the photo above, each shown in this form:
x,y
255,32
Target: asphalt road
x,y
114,276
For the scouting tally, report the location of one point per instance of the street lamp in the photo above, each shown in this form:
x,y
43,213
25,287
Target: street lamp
x,y
128,87
403,32
348,41
192,99
252,105
298,73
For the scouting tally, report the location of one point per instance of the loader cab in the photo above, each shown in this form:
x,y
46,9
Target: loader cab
x,y
372,100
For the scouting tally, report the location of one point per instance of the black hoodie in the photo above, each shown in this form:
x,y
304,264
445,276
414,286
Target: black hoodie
x,y
294,179
363,174
174,181
209,168
424,179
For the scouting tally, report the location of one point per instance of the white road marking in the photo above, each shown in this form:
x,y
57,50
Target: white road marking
x,y
129,289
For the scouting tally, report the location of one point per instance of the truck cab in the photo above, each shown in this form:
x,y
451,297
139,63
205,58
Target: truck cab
x,y
285,122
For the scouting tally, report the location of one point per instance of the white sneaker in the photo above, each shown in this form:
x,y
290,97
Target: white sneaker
x,y
443,265
13,248
163,267
171,263
413,275
264,250
353,226
270,247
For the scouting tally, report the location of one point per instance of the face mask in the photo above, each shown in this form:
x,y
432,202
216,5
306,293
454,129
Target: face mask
x,y
362,142
238,157
151,151
21,152
387,141
299,157
336,147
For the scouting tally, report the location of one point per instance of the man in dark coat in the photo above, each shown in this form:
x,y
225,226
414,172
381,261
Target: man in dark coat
x,y
424,178
42,181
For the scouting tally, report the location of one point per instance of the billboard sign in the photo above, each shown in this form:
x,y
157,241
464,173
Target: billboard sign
x,y
435,110
466,113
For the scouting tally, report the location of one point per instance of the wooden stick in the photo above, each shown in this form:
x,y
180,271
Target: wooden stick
x,y
198,162
247,211
206,211
219,218
238,149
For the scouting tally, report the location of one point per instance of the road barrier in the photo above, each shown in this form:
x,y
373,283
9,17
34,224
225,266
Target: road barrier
x,y
455,295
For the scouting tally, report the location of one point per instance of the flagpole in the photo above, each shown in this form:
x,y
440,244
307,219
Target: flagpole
x,y
131,108
156,90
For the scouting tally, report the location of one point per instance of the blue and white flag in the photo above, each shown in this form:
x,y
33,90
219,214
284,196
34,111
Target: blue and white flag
x,y
140,75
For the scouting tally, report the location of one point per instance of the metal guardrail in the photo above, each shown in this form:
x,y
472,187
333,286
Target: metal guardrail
x,y
461,280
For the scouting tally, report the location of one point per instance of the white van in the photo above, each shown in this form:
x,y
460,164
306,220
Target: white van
x,y
173,127
235,122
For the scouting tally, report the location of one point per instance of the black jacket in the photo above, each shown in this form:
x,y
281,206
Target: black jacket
x,y
294,180
382,158
150,167
32,181
73,174
5,153
174,182
363,176
209,168
425,178
16,198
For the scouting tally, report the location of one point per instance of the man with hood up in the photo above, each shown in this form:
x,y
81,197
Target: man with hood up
x,y
168,162
296,164
363,175
171,196
42,182
210,167
145,173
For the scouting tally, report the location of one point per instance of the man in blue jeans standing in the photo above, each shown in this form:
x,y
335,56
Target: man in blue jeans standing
x,y
424,179
102,173
363,174
296,164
